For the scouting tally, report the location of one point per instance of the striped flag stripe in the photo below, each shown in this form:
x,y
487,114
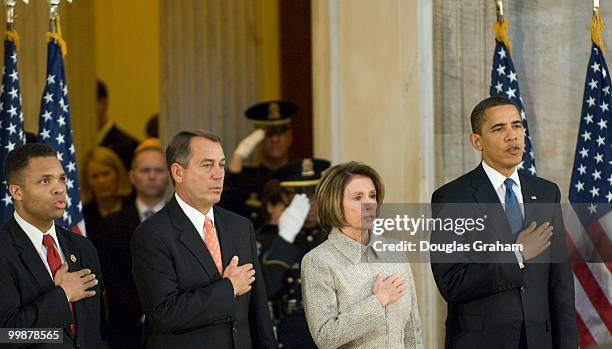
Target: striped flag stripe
x,y
593,290
579,238
589,315
600,240
586,339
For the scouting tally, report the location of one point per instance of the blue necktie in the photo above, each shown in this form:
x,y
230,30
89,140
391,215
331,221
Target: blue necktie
x,y
513,210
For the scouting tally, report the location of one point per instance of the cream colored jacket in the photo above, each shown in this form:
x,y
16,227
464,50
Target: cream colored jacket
x,y
342,312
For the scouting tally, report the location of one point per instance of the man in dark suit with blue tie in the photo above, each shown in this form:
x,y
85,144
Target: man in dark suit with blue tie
x,y
195,264
504,299
48,275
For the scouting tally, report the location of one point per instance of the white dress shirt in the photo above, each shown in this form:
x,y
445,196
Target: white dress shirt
x,y
196,217
497,180
141,207
36,236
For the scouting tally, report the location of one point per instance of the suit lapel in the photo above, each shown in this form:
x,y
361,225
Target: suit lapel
x,y
487,199
529,199
73,259
188,235
131,214
30,257
71,253
225,236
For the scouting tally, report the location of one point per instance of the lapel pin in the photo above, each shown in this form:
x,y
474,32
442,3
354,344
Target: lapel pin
x,y
73,258
533,197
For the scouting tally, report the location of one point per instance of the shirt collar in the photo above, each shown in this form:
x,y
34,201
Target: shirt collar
x,y
33,233
196,217
351,249
497,179
141,207
105,130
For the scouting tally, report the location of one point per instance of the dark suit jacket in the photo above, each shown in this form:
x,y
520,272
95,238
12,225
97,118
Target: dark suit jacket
x,y
490,303
116,260
183,295
28,297
121,143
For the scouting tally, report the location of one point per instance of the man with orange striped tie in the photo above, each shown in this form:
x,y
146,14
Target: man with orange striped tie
x,y
48,275
195,264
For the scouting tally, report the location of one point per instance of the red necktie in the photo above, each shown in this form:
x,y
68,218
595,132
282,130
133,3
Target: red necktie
x,y
210,239
55,262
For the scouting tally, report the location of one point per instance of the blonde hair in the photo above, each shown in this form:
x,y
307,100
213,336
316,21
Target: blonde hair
x,y
106,157
330,192
149,144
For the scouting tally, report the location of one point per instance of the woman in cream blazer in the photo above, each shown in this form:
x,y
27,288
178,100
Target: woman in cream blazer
x,y
354,297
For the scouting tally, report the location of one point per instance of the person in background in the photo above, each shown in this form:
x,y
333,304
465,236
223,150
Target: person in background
x,y
244,184
150,178
31,137
49,276
354,297
293,229
109,134
152,126
299,223
105,189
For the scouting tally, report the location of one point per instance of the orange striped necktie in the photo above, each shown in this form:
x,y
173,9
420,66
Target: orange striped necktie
x,y
212,243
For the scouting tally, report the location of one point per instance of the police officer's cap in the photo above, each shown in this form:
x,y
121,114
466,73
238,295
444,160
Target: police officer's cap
x,y
272,116
301,176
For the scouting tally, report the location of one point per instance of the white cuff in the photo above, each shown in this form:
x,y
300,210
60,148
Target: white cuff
x,y
519,258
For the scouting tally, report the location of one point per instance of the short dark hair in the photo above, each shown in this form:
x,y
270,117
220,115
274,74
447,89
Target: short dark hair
x,y
152,127
477,117
18,159
179,149
102,93
330,192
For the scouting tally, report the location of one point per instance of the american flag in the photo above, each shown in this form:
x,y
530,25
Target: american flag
x,y
11,120
589,220
504,82
54,129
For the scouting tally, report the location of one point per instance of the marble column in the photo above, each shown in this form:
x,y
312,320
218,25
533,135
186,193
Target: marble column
x,y
373,102
214,65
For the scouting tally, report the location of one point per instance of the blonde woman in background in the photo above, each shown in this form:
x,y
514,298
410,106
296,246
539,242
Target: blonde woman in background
x,y
104,188
352,297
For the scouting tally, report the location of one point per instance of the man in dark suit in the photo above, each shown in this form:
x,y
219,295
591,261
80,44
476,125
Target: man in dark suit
x,y
185,259
47,274
110,135
504,299
150,178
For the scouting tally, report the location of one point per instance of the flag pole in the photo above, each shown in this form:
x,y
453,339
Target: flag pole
x,y
55,31
10,12
597,26
53,14
499,7
10,16
500,25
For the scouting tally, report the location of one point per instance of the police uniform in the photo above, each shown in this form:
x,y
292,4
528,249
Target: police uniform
x,y
243,191
280,259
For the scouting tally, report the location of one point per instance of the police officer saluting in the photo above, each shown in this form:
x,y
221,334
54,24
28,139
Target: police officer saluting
x,y
284,240
244,184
